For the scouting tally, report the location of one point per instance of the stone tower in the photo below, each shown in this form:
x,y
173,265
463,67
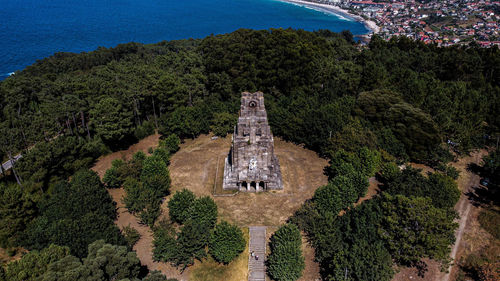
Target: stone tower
x,y
251,164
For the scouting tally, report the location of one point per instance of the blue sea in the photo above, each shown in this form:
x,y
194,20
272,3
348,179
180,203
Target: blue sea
x,y
34,29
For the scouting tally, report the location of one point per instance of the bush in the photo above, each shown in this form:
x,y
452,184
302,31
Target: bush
x,y
163,154
226,242
131,235
113,178
286,261
171,143
179,205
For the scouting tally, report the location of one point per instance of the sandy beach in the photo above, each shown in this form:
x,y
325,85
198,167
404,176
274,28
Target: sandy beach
x,y
371,25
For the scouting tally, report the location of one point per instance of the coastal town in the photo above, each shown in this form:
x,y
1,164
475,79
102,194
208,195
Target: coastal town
x,y
442,22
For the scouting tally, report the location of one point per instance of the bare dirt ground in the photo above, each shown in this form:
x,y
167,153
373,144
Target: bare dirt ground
x,y
104,162
469,235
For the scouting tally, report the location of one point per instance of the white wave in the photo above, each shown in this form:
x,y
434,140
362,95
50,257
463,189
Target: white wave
x,y
10,73
320,9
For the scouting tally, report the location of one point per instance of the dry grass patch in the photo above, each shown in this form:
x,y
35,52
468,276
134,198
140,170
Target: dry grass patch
x,y
194,167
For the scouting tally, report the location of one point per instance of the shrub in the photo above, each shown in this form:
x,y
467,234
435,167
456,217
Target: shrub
x,y
163,154
226,242
171,143
131,235
179,205
286,261
113,178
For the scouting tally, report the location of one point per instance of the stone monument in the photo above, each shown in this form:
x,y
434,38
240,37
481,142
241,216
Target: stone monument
x,y
251,164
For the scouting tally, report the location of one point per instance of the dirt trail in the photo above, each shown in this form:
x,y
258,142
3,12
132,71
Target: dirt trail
x,y
466,210
463,207
143,247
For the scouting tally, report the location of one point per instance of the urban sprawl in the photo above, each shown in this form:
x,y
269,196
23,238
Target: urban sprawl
x,y
444,23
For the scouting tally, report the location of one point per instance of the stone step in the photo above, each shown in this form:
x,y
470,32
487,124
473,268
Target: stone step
x,y
257,244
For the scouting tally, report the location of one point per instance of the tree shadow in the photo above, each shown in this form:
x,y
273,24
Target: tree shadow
x,y
475,168
479,196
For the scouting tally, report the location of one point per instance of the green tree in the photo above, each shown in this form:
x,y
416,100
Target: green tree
x,y
178,206
286,261
131,235
203,211
104,262
34,264
171,143
413,228
155,175
113,178
226,242
17,209
111,120
223,123
77,213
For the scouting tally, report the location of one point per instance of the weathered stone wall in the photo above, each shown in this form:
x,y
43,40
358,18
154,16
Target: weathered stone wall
x,y
251,164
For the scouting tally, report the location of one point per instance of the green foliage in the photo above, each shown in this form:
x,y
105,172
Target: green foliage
x,y
413,127
156,275
441,189
364,161
189,244
413,97
35,263
134,198
17,209
413,228
155,175
49,162
223,123
171,143
203,211
103,262
286,261
329,198
113,177
186,121
178,206
163,154
226,242
146,129
165,246
131,235
77,213
111,119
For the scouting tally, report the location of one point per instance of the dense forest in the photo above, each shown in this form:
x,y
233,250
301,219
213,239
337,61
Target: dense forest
x,y
366,109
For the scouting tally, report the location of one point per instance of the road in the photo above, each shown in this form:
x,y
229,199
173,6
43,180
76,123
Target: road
x,y
8,164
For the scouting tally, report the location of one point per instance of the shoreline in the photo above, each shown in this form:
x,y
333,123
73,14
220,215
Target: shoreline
x,y
369,24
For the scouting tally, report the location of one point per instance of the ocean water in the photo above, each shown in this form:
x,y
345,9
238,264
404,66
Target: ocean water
x,y
34,29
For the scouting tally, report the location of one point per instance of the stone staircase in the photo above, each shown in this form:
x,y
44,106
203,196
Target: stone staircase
x,y
256,268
